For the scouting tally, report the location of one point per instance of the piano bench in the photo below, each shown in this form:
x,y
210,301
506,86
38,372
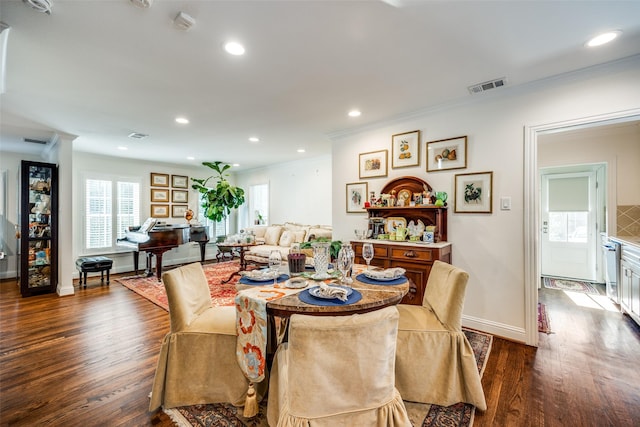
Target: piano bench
x,y
94,264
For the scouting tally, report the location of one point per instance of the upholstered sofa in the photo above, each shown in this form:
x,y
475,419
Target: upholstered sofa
x,y
281,237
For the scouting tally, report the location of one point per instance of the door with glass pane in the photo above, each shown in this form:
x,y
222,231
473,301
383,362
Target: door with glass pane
x,y
568,219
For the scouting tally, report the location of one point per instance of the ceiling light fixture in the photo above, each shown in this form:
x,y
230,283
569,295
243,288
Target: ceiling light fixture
x,y
123,148
182,120
234,48
603,38
183,21
235,165
142,4
43,6
254,139
354,113
191,158
301,150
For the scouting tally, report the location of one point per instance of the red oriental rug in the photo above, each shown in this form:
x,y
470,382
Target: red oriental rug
x,y
221,293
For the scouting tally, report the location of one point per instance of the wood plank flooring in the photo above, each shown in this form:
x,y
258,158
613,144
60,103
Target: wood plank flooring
x,y
89,360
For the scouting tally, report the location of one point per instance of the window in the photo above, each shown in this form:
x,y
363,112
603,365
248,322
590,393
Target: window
x,y
259,204
105,212
215,228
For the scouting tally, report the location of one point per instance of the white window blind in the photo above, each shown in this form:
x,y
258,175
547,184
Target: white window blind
x,y
100,206
569,194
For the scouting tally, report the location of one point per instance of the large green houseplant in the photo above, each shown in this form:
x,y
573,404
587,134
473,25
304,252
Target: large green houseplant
x,y
218,201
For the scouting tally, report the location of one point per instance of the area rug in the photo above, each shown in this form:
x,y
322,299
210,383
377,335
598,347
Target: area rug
x,y
570,285
221,293
543,319
421,415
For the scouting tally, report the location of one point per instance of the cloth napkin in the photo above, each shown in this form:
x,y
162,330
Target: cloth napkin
x,y
332,291
389,273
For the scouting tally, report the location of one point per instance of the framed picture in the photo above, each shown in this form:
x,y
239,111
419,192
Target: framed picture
x,y
159,179
405,149
178,211
447,154
179,181
373,164
474,192
356,196
158,195
179,196
160,211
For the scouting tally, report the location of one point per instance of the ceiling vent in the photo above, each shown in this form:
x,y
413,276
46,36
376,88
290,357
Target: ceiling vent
x,y
183,21
143,4
491,84
137,135
35,141
43,6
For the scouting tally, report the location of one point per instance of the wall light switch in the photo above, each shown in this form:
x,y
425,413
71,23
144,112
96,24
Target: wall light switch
x,y
505,203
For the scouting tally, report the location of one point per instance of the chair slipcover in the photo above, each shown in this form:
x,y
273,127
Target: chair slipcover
x,y
337,371
434,360
197,362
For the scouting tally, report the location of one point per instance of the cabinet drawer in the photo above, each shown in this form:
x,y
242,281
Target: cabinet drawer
x,y
413,254
379,251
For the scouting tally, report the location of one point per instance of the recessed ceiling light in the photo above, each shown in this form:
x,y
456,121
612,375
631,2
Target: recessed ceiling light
x,y
235,165
354,113
254,139
182,120
191,158
603,38
123,148
234,48
301,150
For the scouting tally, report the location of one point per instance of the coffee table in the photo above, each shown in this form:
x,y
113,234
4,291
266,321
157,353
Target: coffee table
x,y
242,248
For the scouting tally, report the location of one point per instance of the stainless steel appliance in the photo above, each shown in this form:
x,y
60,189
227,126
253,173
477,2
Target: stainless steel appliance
x,y
611,258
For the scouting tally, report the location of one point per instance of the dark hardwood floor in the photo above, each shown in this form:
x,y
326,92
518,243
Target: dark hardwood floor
x,y
89,360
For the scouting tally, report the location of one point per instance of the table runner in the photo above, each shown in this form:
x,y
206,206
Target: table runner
x,y
251,328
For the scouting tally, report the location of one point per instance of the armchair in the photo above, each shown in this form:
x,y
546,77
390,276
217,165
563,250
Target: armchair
x,y
434,360
197,362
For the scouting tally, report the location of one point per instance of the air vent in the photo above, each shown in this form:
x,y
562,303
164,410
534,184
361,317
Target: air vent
x,y
136,135
143,4
492,84
43,6
35,141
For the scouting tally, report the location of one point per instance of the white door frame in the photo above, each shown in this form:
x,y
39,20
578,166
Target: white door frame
x,y
532,206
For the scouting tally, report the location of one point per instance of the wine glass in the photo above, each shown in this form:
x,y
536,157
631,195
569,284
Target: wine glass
x,y
344,263
367,253
275,258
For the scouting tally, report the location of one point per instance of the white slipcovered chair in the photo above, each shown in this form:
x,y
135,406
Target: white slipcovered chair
x,y
197,362
434,360
337,371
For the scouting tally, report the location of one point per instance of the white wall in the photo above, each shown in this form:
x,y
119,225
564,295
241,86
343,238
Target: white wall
x,y
299,191
489,246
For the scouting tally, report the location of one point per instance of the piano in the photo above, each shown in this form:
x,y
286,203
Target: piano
x,y
159,239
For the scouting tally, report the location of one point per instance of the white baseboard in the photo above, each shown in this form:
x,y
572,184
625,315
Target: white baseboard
x,y
494,328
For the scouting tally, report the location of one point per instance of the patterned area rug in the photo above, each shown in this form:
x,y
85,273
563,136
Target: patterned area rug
x,y
543,319
571,285
421,415
221,293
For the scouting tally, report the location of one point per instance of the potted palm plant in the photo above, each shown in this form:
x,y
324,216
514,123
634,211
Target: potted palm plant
x,y
217,201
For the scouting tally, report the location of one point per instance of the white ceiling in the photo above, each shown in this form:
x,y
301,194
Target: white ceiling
x,y
102,69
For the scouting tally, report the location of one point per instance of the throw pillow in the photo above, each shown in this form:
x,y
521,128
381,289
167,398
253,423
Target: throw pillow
x,y
272,235
286,239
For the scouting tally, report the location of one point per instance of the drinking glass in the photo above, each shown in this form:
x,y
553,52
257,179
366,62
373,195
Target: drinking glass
x,y
321,259
275,258
345,260
367,253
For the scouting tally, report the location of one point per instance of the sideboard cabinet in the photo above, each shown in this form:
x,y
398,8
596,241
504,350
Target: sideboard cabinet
x,y
38,228
415,258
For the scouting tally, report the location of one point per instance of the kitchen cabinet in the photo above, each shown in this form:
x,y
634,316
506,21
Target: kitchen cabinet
x,y
416,258
38,228
630,281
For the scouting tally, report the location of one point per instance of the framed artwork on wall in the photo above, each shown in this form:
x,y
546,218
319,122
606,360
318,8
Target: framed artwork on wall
x,y
160,211
405,149
179,181
373,164
474,192
447,154
356,196
159,179
179,196
178,211
158,195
